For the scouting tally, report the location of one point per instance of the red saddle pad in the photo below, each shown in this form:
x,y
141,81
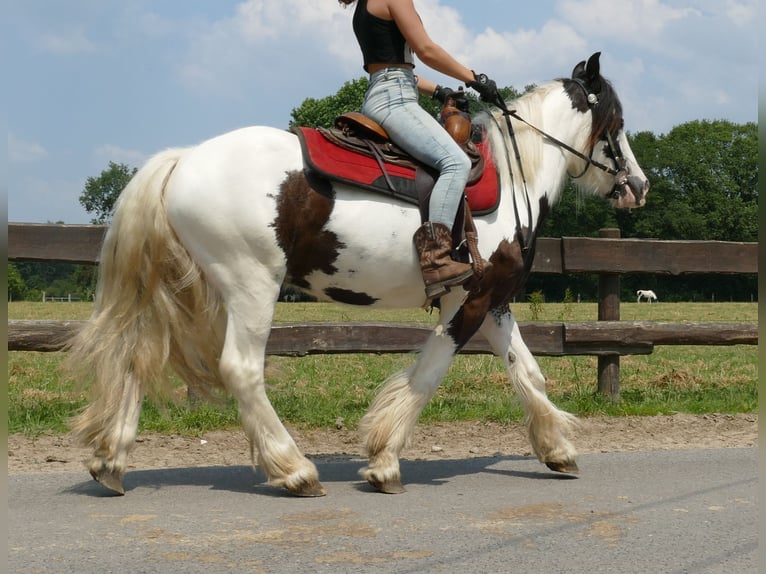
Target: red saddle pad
x,y
336,163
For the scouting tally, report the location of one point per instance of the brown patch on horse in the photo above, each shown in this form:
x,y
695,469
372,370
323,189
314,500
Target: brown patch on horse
x,y
509,269
349,297
504,277
302,215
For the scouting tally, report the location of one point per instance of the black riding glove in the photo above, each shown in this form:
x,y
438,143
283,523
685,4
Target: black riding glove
x,y
443,93
487,88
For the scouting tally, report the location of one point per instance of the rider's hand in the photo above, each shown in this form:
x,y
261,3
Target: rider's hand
x,y
487,88
442,94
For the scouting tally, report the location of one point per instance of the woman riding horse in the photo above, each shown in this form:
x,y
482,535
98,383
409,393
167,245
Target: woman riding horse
x,y
388,32
204,237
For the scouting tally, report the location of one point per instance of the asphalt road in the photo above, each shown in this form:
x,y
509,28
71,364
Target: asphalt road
x,y
669,512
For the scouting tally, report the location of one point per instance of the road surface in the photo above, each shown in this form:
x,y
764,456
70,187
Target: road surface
x,y
669,512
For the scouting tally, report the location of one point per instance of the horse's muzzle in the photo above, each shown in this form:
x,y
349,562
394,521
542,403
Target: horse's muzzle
x,y
629,191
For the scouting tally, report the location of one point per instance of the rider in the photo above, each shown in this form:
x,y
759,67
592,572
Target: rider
x,y
388,32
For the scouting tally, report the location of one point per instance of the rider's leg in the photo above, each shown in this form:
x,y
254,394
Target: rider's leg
x,y
392,100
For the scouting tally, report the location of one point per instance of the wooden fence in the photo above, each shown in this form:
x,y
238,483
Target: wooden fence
x,y
608,338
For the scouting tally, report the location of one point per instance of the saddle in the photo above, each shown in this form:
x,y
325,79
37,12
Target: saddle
x,y
358,151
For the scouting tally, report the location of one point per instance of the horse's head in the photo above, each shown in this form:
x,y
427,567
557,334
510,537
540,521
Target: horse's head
x,y
619,178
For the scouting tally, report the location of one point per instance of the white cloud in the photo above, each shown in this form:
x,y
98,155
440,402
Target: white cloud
x,y
636,22
71,41
117,154
741,13
251,45
530,56
273,44
20,151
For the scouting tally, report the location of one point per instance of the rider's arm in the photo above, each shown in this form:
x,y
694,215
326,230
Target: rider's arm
x,y
425,87
429,52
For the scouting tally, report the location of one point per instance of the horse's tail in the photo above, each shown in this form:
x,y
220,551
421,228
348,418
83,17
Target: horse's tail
x,y
150,297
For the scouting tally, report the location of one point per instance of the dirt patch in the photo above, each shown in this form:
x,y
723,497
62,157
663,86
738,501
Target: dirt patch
x,y
431,442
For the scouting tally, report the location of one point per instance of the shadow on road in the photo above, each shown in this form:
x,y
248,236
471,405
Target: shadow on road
x,y
339,469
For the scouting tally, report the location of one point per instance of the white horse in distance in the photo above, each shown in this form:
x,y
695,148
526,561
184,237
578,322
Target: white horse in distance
x,y
647,294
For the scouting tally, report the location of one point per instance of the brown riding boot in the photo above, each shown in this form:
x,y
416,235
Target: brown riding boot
x,y
433,242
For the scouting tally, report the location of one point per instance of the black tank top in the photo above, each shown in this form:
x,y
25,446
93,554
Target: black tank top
x,y
380,40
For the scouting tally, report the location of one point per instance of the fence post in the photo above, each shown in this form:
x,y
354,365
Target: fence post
x,y
609,310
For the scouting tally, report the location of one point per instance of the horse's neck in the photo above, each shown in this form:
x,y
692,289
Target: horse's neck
x,y
543,171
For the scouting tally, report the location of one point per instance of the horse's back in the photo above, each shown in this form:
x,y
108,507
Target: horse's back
x,y
260,150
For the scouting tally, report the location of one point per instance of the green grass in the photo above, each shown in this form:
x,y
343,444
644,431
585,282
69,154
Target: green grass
x,y
314,391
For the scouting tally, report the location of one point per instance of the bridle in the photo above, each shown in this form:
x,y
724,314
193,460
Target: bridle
x,y
613,151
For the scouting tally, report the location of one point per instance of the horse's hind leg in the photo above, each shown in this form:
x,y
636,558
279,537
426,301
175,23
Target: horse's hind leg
x,y
110,424
242,370
547,425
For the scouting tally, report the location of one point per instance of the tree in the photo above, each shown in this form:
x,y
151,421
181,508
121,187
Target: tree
x,y
16,285
101,193
322,113
704,178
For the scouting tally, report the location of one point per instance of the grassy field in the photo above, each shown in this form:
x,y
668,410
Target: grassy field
x,y
314,391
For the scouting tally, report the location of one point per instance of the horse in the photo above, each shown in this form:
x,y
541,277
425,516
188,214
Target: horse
x,y
647,294
203,237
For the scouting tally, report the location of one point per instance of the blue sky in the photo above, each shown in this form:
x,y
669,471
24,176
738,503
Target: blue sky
x,y
93,81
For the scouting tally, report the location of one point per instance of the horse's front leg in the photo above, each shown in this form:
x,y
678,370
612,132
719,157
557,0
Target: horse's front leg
x,y
388,425
547,426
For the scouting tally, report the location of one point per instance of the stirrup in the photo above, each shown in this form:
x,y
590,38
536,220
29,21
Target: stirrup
x,y
441,288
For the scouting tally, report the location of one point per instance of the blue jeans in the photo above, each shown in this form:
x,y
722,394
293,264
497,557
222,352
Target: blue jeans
x,y
392,101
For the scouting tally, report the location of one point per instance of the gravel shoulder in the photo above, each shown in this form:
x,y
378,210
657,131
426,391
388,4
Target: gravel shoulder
x,y
59,453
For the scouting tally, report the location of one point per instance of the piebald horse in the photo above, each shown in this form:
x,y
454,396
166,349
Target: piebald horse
x,y
203,237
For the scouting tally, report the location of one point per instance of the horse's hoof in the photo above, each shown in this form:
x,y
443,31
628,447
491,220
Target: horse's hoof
x,y
313,489
567,466
110,479
389,487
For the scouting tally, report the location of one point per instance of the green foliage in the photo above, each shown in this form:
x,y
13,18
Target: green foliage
x,y
16,286
322,112
567,308
55,280
704,177
101,193
536,300
63,279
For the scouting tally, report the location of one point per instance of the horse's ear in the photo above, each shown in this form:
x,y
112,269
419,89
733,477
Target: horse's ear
x,y
593,68
579,70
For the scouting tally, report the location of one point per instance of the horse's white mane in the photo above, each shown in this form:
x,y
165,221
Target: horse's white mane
x,y
528,106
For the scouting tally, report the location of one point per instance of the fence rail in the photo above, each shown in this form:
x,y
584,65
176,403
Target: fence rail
x,y
608,338
82,244
598,338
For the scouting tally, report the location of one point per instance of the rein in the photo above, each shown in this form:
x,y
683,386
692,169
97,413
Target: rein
x,y
590,161
525,241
